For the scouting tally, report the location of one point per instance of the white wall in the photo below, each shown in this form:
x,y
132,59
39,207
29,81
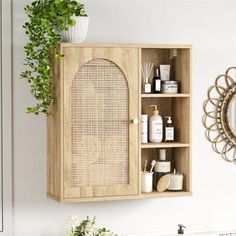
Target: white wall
x,y
209,25
6,124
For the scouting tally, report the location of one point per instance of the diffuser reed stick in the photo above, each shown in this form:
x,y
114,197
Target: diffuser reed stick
x,y
146,72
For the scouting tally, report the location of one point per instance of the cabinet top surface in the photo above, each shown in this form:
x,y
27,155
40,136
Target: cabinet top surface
x,y
150,46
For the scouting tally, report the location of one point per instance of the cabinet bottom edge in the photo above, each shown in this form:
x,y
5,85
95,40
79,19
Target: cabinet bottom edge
x,y
121,198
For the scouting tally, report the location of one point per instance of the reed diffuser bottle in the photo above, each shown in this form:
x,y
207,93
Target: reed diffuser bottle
x,y
146,72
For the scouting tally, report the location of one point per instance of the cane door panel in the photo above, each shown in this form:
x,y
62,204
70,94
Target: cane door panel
x,y
100,139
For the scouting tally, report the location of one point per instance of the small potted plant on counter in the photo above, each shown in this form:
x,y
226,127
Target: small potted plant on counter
x,y
49,22
86,227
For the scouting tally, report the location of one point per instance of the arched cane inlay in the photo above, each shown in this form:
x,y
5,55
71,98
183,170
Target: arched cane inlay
x,y
99,125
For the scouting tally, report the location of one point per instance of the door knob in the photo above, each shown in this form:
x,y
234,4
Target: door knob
x,y
135,121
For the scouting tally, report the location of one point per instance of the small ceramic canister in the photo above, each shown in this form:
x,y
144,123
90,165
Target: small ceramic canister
x,y
176,182
169,86
146,182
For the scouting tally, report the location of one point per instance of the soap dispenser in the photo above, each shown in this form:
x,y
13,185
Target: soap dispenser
x,y
169,130
155,126
181,230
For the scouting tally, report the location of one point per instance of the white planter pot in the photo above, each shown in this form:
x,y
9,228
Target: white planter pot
x,y
77,33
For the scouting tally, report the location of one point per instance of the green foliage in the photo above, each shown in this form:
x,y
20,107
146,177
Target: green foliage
x,y
46,18
87,227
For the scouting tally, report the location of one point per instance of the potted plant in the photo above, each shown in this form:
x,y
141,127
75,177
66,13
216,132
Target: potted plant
x,y
86,227
48,21
76,33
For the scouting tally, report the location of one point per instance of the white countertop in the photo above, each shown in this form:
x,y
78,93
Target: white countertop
x,y
210,233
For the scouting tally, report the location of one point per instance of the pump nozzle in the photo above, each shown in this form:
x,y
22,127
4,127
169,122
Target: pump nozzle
x,y
181,230
169,120
155,111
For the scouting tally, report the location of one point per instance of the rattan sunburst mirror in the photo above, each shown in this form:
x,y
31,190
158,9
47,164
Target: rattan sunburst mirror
x,y
220,115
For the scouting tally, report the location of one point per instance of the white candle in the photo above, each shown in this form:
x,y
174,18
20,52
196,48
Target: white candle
x,y
176,182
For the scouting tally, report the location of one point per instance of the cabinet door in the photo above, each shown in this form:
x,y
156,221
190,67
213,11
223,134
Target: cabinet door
x,y
100,138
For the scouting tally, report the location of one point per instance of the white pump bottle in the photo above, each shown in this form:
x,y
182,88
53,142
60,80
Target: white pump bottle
x,y
155,126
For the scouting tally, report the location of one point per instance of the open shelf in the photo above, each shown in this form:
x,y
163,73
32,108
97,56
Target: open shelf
x,y
180,161
164,145
162,95
178,106
180,65
155,194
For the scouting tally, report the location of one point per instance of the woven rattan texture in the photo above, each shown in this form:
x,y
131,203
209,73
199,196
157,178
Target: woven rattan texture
x,y
99,125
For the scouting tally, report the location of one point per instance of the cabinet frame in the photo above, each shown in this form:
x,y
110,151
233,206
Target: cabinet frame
x,y
56,170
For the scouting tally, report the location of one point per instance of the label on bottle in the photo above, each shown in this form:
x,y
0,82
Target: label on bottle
x,y
156,131
144,127
147,88
144,138
162,166
169,133
169,88
158,85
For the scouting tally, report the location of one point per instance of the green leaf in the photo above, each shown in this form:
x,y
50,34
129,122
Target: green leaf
x,y
72,22
45,18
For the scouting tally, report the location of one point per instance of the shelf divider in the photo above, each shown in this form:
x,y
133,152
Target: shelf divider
x,y
161,95
165,194
164,145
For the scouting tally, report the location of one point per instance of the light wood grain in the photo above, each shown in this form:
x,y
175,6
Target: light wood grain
x,y
181,119
176,105
164,145
108,45
129,58
161,95
156,194
182,165
183,70
153,194
54,165
140,166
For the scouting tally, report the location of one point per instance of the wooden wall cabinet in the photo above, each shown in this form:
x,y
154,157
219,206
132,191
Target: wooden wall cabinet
x,y
94,148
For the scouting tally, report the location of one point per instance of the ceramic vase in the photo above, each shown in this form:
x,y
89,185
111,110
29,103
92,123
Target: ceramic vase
x,y
78,32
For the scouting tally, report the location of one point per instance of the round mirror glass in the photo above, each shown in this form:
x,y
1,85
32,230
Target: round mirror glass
x,y
232,114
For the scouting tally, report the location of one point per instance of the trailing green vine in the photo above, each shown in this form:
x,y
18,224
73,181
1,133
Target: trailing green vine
x,y
87,227
46,19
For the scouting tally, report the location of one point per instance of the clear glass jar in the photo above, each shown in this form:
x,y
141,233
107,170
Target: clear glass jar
x,y
169,86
